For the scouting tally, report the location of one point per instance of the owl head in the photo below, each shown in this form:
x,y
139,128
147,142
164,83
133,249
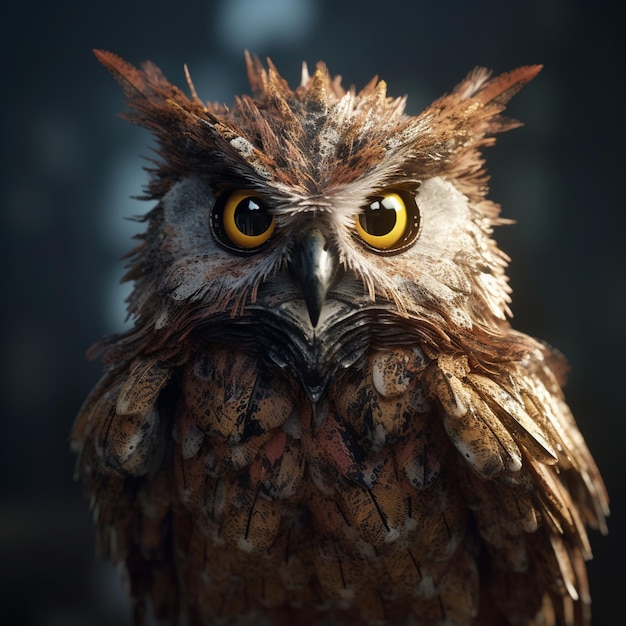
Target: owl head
x,y
312,223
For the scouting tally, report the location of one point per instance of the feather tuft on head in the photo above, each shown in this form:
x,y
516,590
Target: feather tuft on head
x,y
319,131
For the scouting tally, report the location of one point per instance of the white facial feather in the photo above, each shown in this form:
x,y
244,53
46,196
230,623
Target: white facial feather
x,y
200,269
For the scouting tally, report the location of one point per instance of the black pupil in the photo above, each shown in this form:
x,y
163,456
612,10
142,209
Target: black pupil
x,y
378,218
251,217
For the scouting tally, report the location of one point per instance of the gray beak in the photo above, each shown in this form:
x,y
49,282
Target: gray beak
x,y
314,267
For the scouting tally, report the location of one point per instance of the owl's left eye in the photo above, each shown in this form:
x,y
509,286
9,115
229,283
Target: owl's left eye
x,y
243,221
389,222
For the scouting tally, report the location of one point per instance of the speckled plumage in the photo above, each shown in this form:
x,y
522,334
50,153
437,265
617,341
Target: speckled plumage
x,y
307,422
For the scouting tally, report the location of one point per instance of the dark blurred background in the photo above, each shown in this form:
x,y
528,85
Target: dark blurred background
x,y
70,166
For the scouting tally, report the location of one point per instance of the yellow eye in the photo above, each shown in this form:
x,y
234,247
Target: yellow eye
x,y
387,223
246,221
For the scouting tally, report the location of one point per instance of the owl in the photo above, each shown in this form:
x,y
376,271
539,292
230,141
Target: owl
x,y
321,413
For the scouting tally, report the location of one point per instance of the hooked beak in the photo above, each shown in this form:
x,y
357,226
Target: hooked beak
x,y
314,267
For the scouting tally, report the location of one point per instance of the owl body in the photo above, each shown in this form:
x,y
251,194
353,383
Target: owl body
x,y
321,414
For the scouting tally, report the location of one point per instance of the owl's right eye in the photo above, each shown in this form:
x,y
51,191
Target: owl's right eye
x,y
242,221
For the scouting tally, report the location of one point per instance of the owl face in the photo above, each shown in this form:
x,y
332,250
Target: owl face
x,y
353,261
319,213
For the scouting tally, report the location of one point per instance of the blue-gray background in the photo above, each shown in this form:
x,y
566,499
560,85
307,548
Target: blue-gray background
x,y
69,167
